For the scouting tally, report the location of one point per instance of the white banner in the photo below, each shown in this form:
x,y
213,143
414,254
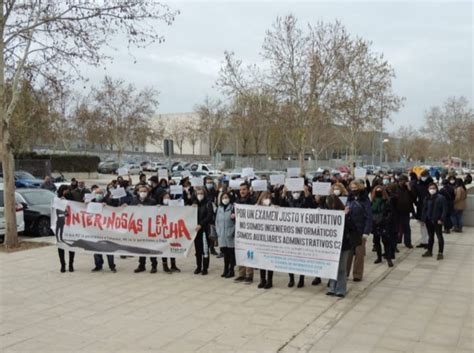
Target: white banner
x,y
163,231
293,240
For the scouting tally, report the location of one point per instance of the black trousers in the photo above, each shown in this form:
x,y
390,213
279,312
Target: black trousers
x,y
62,257
266,276
202,251
142,262
60,221
292,277
387,246
229,259
99,261
435,228
164,261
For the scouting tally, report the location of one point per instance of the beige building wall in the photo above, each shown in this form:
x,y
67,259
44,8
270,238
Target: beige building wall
x,y
178,125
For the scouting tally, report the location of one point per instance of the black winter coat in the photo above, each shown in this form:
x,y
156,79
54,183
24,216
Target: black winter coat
x,y
435,208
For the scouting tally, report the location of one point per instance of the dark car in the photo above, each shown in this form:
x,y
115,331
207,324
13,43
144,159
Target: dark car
x,y
108,168
25,180
37,210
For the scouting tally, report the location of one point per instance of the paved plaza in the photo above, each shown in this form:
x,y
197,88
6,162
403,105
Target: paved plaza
x,y
420,305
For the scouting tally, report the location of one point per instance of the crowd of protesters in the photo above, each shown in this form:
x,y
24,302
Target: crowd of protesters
x,y
383,208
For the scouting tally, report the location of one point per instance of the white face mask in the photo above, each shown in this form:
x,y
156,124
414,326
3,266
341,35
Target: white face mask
x,y
200,197
225,201
166,201
386,181
432,191
452,181
296,195
424,178
143,195
337,192
266,202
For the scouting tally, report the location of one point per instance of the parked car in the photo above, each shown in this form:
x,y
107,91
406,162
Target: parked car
x,y
37,210
24,179
133,169
107,167
154,166
145,165
20,221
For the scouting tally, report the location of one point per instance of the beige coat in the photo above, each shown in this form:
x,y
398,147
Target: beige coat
x,y
460,198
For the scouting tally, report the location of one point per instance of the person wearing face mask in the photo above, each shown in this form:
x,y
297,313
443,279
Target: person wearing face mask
x,y
448,191
164,260
360,211
244,197
225,229
381,219
386,180
404,207
145,199
435,212
64,193
297,199
79,192
339,190
201,242
211,195
350,240
99,197
420,189
266,277
141,182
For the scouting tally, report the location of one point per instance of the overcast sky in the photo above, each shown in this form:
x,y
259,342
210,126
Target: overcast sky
x,y
429,44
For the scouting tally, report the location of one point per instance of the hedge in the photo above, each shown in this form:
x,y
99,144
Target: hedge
x,y
65,162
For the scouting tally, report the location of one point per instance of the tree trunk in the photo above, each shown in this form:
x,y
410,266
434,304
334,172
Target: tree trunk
x,y
11,236
301,162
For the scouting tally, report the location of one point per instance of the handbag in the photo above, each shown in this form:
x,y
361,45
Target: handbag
x,y
212,232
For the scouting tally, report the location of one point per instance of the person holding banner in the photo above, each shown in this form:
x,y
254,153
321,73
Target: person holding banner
x,y
266,277
382,217
350,240
201,242
145,199
211,194
360,212
225,229
98,258
297,199
64,193
245,273
164,260
141,182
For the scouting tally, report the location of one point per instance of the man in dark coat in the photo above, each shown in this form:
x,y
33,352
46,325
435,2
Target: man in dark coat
x,y
420,193
403,208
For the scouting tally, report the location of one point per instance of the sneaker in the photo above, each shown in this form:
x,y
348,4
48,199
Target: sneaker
x,y
96,269
248,280
427,253
239,279
440,257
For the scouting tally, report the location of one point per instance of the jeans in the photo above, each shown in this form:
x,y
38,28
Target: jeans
x,y
404,230
457,218
435,228
339,286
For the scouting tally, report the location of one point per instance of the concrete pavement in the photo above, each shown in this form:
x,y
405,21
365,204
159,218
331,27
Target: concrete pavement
x,y
420,305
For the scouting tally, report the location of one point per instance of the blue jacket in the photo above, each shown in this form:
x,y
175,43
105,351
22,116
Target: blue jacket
x,y
225,226
435,208
360,213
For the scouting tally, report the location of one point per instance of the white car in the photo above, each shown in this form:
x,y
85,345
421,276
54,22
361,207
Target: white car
x,y
20,220
133,169
154,166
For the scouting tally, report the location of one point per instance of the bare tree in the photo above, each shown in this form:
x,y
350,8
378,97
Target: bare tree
x,y
126,111
177,132
452,125
213,122
46,39
193,134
